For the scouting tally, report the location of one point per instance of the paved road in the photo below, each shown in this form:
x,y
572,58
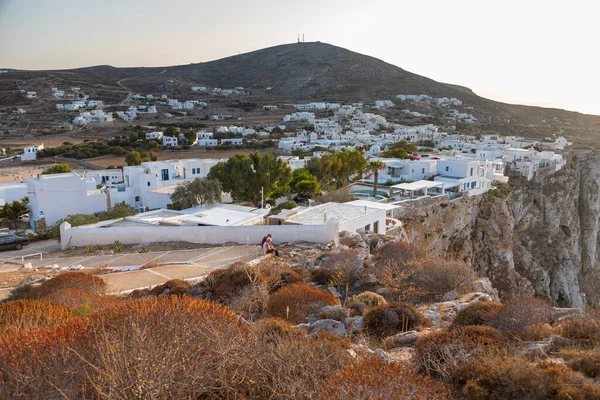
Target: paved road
x,y
175,264
44,246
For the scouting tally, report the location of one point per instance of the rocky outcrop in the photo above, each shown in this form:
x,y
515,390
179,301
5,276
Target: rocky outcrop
x,y
544,238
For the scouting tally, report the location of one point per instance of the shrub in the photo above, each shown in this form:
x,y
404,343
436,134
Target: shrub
x,y
583,329
69,280
336,314
522,317
298,301
81,302
172,287
271,330
118,247
477,313
482,334
281,278
18,293
587,362
251,302
29,314
395,253
389,319
340,267
372,378
228,282
436,276
369,298
440,355
505,377
357,309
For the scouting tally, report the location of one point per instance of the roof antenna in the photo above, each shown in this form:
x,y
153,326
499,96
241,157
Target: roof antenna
x,y
298,38
303,38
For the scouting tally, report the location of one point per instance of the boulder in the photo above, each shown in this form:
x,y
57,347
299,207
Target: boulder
x,y
451,295
327,325
558,313
405,339
433,316
482,285
360,349
355,324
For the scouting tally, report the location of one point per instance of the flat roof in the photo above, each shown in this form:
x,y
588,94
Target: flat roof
x,y
343,212
418,185
373,204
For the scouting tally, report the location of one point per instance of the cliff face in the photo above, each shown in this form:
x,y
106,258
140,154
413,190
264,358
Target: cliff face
x,y
543,238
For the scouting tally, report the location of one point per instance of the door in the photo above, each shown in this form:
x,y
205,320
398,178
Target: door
x,y
165,174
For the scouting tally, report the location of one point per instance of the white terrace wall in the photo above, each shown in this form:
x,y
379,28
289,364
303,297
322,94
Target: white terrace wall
x,y
216,235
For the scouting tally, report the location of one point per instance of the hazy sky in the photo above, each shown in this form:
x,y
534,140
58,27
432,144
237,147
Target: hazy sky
x,y
528,51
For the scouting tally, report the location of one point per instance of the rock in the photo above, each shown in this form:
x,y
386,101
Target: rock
x,y
537,349
405,339
560,341
336,313
351,241
383,291
483,285
27,266
473,297
369,279
355,324
403,355
558,313
361,349
327,325
451,295
433,316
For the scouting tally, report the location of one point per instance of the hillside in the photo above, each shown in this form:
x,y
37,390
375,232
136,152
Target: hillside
x,y
306,72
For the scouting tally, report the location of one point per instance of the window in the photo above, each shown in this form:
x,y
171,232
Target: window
x,y
137,198
376,227
422,170
148,183
447,168
193,171
471,171
473,184
368,228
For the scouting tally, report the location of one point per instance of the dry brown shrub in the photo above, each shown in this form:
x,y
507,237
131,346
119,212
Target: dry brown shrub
x,y
341,267
389,319
586,362
28,314
477,313
584,329
271,330
80,301
357,309
228,282
523,318
279,279
176,287
372,378
440,355
395,253
337,314
69,280
507,377
251,302
436,275
298,301
369,298
482,334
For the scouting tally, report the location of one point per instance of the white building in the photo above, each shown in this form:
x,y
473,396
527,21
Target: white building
x,y
464,174
234,141
154,135
53,197
383,103
30,153
31,95
169,141
207,142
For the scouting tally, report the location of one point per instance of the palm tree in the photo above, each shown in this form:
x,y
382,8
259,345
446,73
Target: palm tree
x,y
375,167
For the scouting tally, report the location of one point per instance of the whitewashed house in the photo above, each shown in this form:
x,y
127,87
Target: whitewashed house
x,y
154,135
168,141
30,153
233,141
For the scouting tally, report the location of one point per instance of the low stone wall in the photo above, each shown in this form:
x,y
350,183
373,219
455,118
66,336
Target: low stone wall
x,y
417,207
216,235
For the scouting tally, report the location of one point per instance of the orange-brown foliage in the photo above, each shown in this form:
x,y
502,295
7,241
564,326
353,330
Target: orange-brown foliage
x,y
172,287
372,378
586,362
77,300
389,319
29,314
298,301
523,317
477,313
69,280
584,329
506,377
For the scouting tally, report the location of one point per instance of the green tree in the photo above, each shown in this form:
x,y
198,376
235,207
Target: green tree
x,y
133,158
401,149
190,137
153,156
74,220
374,167
200,191
154,145
338,169
243,175
12,212
305,183
120,210
57,169
171,131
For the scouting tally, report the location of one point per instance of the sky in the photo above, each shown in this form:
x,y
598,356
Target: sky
x,y
531,52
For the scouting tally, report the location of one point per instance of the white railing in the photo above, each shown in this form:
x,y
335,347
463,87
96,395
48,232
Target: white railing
x,y
31,255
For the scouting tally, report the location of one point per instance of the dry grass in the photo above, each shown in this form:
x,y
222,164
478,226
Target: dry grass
x,y
478,313
523,318
21,315
389,319
69,280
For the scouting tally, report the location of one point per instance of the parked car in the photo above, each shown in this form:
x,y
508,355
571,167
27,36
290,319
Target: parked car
x,y
12,242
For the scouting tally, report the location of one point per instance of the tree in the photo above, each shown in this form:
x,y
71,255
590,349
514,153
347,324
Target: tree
x,y
338,169
171,131
153,156
120,210
73,220
57,169
374,167
243,175
190,137
12,212
305,183
154,145
400,150
200,191
133,158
